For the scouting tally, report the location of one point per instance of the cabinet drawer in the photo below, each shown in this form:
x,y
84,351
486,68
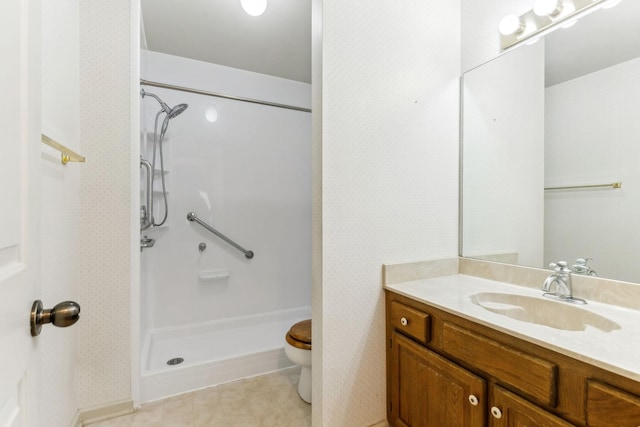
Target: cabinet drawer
x,y
608,406
535,376
411,322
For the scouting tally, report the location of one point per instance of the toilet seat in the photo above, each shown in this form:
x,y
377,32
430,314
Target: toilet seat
x,y
299,335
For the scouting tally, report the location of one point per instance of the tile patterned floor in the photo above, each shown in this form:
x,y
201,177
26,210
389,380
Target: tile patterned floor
x,y
265,401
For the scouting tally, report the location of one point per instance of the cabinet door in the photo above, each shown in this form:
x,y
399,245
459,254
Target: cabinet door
x,y
430,391
608,406
509,410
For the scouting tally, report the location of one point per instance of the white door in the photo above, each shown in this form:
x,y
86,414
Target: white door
x,y
19,200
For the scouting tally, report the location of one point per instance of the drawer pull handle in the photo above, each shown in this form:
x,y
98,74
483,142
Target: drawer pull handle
x,y
496,412
404,321
473,400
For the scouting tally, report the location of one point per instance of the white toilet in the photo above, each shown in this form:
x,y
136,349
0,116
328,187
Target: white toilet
x,y
298,349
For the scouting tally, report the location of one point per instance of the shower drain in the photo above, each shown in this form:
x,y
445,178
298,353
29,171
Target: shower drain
x,y
175,361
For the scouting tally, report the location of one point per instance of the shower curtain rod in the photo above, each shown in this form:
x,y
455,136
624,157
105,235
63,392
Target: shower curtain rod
x,y
219,95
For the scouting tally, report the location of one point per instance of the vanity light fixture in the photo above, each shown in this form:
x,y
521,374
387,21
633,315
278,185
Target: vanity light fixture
x,y
549,8
511,25
546,16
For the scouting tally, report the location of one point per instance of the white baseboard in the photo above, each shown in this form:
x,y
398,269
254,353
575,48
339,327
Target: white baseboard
x,y
97,413
381,424
75,422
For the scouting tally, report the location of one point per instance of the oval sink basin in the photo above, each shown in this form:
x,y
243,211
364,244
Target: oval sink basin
x,y
554,314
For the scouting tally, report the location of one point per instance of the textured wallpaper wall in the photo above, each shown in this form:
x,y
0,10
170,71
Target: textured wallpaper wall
x,y
388,147
60,208
105,91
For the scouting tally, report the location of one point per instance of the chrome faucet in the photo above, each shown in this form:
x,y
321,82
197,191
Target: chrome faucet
x,y
146,242
581,267
561,277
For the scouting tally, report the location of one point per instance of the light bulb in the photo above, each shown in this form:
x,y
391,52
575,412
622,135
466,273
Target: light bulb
x,y
254,7
510,25
547,7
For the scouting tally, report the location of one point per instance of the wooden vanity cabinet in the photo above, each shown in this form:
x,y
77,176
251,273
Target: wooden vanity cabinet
x,y
608,406
430,391
446,371
508,410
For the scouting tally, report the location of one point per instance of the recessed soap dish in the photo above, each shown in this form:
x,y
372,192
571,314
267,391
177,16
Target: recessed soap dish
x,y
213,274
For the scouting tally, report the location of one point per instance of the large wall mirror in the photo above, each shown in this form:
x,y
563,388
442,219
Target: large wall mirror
x,y
548,128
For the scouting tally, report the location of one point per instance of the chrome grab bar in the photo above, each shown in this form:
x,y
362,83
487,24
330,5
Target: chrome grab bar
x,y
191,216
147,220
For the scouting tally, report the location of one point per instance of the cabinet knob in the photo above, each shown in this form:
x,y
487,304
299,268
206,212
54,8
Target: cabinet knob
x,y
496,412
473,400
404,321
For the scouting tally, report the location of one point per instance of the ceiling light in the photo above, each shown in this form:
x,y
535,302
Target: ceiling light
x,y
547,7
254,7
510,25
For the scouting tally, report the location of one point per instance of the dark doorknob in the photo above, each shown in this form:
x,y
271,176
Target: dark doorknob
x,y
62,315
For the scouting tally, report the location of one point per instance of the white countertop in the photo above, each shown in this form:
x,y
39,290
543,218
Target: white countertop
x,y
617,351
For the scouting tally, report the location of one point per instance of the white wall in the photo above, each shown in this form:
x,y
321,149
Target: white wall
x,y
389,181
592,135
503,167
60,213
106,232
248,174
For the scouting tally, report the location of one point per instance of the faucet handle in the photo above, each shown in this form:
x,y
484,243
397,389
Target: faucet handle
x,y
559,267
581,267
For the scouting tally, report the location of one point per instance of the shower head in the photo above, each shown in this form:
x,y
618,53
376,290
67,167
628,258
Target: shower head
x,y
177,110
171,112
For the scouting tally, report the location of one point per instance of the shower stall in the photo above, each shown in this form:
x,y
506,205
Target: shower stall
x,y
229,270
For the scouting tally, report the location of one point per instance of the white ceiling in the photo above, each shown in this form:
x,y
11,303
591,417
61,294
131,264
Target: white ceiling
x,y
277,43
599,40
